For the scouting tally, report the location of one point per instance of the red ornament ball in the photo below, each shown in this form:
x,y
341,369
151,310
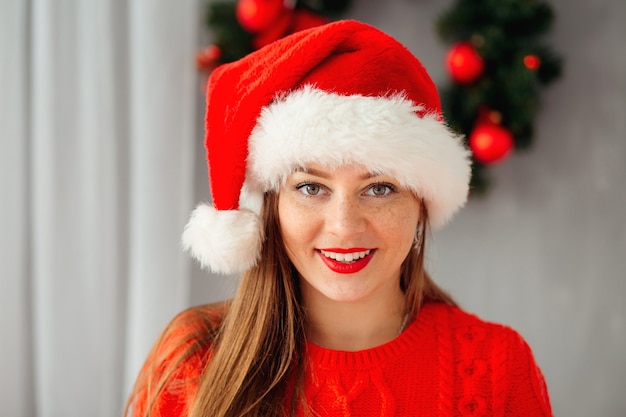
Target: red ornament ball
x,y
208,58
532,62
464,64
491,143
258,15
488,115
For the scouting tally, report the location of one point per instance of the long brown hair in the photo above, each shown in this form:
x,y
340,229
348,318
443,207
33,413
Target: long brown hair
x,y
260,343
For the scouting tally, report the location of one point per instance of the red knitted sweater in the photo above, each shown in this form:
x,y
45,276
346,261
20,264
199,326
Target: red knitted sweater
x,y
446,363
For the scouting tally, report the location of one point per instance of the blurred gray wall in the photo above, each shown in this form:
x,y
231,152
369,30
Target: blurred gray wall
x,y
545,250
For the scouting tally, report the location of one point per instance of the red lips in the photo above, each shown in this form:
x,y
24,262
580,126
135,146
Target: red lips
x,y
346,268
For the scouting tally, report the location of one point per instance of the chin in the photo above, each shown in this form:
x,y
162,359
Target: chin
x,y
345,295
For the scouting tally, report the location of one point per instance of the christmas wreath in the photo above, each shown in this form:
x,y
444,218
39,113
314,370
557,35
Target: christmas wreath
x,y
497,66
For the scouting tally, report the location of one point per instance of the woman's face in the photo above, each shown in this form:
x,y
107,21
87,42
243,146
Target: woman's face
x,y
347,231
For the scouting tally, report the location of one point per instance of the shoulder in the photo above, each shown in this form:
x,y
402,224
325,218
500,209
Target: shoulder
x,y
472,334
469,328
189,335
170,375
193,322
495,350
503,339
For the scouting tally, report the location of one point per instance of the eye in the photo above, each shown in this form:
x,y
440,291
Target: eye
x,y
309,189
380,189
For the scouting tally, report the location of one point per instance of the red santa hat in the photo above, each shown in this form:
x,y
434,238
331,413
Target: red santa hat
x,y
336,94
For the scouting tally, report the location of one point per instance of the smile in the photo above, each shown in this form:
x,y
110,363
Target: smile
x,y
346,257
346,261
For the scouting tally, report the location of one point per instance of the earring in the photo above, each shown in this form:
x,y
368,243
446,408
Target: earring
x,y
417,240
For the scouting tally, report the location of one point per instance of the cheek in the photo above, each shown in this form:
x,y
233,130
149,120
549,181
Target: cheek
x,y
400,223
297,224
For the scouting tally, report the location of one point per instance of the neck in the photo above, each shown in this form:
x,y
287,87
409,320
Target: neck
x,y
353,326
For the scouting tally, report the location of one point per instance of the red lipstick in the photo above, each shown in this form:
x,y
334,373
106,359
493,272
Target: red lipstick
x,y
346,268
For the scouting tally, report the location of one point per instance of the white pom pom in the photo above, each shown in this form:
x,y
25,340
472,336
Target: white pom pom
x,y
224,241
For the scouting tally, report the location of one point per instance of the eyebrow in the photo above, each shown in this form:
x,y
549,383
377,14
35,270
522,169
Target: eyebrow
x,y
322,174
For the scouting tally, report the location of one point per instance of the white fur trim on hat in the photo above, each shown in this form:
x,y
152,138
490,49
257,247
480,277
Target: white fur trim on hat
x,y
225,241
386,134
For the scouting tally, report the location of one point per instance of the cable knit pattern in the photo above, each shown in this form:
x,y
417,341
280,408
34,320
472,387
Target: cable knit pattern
x,y
446,363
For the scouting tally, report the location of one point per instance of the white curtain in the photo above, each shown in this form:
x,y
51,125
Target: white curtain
x,y
98,119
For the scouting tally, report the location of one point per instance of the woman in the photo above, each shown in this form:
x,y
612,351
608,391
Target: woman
x,y
329,161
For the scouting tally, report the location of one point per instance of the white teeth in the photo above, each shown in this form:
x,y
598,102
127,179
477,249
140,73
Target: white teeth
x,y
346,257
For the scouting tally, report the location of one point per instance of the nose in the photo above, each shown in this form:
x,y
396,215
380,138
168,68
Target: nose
x,y
345,216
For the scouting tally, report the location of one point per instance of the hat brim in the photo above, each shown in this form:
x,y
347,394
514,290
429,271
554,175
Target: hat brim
x,y
390,135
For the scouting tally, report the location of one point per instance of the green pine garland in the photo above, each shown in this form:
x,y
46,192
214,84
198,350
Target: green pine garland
x,y
503,32
228,35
